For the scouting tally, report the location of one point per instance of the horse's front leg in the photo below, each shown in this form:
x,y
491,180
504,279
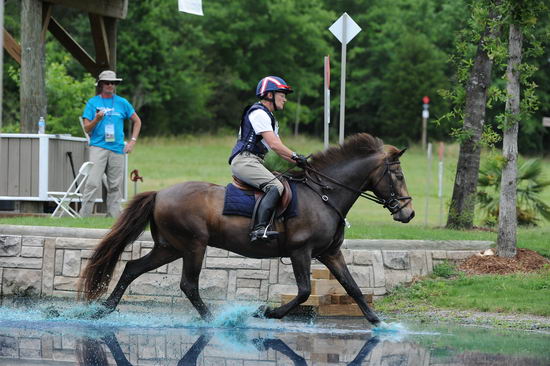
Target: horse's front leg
x,y
337,266
301,265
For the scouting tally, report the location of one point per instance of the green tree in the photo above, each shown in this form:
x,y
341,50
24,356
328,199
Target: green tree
x,y
521,15
66,98
415,69
470,102
399,57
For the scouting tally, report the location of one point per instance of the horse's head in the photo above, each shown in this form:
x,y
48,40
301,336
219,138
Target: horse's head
x,y
388,184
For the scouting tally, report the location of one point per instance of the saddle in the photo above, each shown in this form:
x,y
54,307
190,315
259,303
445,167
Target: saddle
x,y
284,201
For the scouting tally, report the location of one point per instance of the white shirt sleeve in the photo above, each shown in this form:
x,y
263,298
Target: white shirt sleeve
x,y
260,121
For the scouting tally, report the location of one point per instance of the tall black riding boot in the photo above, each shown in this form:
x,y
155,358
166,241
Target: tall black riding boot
x,y
263,216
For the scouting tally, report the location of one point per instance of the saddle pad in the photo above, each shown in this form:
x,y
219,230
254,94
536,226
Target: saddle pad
x,y
241,203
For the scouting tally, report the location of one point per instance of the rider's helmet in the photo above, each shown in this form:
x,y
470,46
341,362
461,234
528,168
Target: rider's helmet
x,y
272,84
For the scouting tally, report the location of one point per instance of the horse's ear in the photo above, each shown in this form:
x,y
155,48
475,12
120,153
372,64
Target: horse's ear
x,y
400,153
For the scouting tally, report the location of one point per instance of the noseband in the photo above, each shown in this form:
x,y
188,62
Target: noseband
x,y
392,203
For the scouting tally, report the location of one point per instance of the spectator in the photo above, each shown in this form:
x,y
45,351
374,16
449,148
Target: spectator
x,y
104,117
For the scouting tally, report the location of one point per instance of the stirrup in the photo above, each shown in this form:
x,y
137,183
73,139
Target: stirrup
x,y
263,235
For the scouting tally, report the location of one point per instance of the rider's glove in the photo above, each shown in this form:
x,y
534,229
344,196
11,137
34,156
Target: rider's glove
x,y
301,161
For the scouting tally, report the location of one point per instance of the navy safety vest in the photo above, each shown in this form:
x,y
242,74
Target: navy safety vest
x,y
248,140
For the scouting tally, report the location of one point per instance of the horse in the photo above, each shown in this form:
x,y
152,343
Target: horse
x,y
187,217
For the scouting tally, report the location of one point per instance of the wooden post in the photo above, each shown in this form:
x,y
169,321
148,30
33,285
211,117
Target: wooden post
x,y
1,62
33,85
111,30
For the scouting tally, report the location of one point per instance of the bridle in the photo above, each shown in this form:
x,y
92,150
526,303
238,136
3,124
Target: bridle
x,y
392,203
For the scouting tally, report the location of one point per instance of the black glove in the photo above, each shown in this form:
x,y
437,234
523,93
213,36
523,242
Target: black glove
x,y
301,161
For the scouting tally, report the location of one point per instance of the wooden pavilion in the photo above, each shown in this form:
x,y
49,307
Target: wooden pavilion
x,y
33,171
36,20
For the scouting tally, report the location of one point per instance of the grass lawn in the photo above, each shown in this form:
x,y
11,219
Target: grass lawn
x,y
524,293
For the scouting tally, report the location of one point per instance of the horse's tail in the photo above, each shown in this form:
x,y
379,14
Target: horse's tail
x,y
128,227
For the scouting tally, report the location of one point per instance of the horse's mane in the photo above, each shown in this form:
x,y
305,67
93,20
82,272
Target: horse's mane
x,y
360,144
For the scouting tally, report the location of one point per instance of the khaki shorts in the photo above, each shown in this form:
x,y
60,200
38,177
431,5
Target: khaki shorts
x,y
250,169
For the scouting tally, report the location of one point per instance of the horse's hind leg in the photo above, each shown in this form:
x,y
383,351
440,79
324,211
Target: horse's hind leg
x,y
192,264
301,265
135,268
337,266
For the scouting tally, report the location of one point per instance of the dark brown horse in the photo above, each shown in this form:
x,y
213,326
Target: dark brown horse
x,y
187,217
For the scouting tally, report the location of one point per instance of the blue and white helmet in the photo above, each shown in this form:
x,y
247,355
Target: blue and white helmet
x,y
272,84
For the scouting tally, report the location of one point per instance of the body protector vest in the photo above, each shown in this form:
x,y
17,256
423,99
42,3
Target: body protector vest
x,y
248,140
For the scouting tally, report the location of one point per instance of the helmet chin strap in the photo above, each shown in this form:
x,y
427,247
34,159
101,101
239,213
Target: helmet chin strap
x,y
272,100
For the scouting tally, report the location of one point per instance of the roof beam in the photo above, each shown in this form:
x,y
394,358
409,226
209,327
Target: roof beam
x,y
72,46
110,8
46,16
12,47
101,41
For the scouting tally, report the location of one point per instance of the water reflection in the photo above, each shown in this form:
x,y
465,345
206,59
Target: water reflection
x,y
31,336
91,351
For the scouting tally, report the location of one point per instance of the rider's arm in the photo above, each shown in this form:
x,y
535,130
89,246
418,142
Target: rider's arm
x,y
277,145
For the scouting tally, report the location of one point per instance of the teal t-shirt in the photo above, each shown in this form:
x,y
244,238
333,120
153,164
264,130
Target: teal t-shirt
x,y
109,132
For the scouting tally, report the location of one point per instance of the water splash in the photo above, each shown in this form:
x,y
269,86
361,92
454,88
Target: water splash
x,y
233,316
74,315
389,328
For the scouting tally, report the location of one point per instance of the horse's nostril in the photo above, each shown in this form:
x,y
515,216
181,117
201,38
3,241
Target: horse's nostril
x,y
412,216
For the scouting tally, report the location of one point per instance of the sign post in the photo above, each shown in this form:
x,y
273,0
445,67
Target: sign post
x,y
425,116
327,100
345,29
428,183
440,153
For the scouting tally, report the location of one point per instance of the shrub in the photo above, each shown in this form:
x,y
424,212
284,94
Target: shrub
x,y
530,184
445,270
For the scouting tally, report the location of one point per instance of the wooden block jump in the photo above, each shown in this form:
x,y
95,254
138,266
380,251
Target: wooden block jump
x,y
328,297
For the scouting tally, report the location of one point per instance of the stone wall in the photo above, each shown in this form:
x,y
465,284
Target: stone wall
x,y
49,265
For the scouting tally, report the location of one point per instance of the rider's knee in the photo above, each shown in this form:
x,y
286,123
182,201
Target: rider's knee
x,y
275,184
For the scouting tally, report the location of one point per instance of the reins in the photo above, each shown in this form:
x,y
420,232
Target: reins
x,y
392,204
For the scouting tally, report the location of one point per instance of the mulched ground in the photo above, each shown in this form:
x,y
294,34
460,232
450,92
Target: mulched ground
x,y
525,261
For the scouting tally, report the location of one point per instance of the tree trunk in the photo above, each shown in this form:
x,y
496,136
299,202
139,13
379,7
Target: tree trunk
x,y
507,217
461,210
33,86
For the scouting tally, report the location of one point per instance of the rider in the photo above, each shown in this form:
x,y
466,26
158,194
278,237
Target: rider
x,y
258,133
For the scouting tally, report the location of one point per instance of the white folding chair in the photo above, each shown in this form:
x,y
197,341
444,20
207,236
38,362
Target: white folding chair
x,y
64,199
84,130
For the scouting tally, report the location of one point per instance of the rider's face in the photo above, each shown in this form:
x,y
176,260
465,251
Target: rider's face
x,y
280,100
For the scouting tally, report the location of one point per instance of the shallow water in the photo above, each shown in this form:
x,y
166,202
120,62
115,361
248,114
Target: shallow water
x,y
57,333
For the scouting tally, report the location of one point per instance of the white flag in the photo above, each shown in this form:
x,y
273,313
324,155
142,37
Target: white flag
x,y
190,6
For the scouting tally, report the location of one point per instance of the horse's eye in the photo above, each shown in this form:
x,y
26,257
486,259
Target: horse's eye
x,y
399,176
